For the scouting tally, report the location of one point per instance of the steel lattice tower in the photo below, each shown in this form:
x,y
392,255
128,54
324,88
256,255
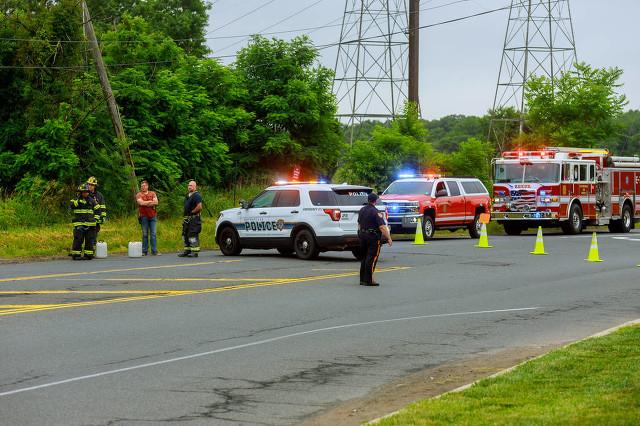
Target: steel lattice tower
x,y
371,69
539,41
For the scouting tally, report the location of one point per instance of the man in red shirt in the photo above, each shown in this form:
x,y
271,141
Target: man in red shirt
x,y
148,217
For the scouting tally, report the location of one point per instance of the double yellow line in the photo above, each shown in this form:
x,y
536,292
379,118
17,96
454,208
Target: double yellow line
x,y
157,294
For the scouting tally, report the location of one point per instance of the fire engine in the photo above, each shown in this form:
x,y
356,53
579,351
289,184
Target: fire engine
x,y
566,187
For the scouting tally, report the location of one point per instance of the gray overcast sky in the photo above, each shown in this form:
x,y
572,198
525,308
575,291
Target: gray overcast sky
x,y
459,61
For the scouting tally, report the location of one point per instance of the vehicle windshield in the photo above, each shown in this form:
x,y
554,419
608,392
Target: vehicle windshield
x,y
533,172
408,188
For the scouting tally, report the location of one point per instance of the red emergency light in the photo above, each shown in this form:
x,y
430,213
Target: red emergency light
x,y
514,155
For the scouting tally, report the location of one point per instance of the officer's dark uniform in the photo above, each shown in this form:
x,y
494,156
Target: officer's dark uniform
x,y
191,225
84,209
369,222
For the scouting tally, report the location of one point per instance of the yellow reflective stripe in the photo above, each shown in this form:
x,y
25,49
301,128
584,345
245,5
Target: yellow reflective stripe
x,y
83,223
80,211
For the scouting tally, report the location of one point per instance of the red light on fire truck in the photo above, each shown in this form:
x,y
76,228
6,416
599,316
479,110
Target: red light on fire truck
x,y
514,155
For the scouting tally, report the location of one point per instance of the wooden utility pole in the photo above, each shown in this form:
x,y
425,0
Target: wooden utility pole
x,y
414,51
108,94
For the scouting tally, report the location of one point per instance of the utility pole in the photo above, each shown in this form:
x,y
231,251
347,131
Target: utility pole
x,y
108,93
414,51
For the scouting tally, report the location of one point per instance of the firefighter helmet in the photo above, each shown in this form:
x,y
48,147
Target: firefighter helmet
x,y
92,181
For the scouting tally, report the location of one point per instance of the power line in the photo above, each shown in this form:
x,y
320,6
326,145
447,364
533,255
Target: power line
x,y
304,9
241,17
317,47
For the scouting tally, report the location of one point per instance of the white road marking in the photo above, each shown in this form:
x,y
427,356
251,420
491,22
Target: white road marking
x,y
259,342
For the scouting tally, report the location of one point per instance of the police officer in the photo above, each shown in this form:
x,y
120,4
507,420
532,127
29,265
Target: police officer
x,y
371,228
191,222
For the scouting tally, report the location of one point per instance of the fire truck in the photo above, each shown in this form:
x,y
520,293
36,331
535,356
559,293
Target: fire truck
x,y
567,187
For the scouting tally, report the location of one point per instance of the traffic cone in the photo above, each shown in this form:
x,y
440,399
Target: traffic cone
x,y
539,247
484,239
593,250
419,239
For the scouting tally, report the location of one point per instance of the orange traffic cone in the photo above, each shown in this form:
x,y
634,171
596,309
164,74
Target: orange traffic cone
x,y
419,239
593,250
539,247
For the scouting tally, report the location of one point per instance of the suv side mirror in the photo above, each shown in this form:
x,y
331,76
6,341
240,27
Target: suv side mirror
x,y
441,193
243,204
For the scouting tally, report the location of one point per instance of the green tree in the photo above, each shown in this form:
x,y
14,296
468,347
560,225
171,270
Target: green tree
x,y
184,21
376,161
292,106
579,109
473,158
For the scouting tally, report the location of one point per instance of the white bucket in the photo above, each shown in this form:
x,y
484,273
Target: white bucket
x,y
135,249
101,250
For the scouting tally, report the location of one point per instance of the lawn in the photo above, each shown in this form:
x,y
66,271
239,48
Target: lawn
x,y
592,382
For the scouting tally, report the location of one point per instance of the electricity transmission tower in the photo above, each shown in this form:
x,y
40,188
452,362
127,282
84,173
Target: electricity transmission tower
x,y
539,41
371,80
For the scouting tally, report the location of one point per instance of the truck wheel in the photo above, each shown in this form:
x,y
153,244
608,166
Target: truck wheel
x,y
574,224
512,228
626,221
305,245
475,227
428,227
229,242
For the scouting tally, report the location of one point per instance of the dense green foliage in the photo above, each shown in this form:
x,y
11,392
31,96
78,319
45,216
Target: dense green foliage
x,y
578,109
185,116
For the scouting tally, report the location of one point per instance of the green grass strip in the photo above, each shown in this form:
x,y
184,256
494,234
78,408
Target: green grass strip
x,y
592,382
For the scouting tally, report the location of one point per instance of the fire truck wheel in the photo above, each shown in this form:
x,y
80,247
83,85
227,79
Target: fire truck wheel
x,y
428,227
627,219
574,224
512,228
475,227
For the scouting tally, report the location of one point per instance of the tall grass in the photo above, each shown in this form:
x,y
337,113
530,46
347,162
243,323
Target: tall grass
x,y
37,231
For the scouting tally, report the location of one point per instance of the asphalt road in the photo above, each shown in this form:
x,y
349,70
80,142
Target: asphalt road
x,y
266,339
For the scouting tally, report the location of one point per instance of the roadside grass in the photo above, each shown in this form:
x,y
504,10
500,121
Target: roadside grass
x,y
48,233
592,382
55,240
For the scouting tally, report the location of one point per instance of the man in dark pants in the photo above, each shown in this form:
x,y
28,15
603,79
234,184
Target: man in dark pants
x,y
191,223
371,228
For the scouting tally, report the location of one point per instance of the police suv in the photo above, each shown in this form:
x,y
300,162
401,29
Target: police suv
x,y
305,218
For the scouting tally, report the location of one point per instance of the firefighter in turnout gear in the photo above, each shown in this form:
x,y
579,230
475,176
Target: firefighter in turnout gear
x,y
84,209
371,229
191,222
101,207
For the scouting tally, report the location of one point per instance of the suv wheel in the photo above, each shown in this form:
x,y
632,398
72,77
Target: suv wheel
x,y
305,245
428,227
229,242
475,227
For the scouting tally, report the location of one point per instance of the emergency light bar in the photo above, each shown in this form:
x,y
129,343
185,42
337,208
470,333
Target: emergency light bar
x,y
296,182
514,155
419,175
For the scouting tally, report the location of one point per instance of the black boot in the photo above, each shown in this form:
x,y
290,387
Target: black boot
x,y
184,254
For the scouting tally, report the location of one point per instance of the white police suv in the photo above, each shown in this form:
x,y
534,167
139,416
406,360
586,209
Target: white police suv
x,y
305,218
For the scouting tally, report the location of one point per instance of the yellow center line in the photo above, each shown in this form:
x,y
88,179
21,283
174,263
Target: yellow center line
x,y
108,271
165,279
175,293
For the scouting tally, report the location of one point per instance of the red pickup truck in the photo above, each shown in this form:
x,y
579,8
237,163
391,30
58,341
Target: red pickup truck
x,y
441,202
